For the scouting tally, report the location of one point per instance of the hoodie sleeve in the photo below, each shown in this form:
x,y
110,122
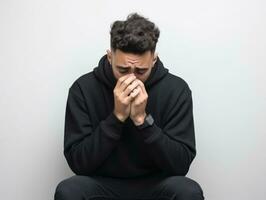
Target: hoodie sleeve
x,y
173,147
85,148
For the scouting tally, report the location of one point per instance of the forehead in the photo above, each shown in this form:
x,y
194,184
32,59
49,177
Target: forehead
x,y
125,59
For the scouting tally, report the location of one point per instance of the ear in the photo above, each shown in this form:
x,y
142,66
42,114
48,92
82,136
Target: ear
x,y
109,56
155,56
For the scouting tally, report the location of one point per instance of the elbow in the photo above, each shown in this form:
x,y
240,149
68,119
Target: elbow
x,y
77,167
71,163
181,169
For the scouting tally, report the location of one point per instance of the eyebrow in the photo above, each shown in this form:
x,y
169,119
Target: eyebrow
x,y
138,68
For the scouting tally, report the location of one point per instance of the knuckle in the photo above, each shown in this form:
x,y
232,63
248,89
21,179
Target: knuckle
x,y
120,80
138,103
115,92
140,82
130,87
124,102
124,84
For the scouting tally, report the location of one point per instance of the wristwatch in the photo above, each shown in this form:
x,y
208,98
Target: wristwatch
x,y
148,121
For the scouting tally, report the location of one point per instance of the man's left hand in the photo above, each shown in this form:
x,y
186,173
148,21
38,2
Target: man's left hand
x,y
138,105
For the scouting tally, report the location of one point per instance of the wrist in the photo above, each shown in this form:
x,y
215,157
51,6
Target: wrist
x,y
148,122
119,117
139,120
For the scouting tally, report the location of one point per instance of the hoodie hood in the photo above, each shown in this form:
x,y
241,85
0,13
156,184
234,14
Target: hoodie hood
x,y
104,73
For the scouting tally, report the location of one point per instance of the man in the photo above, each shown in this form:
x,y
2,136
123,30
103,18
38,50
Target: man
x,y
129,131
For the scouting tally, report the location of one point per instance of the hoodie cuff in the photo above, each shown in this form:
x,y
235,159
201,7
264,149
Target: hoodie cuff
x,y
112,127
150,134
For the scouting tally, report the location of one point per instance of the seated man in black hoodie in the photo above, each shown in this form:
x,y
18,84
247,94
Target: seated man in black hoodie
x,y
129,130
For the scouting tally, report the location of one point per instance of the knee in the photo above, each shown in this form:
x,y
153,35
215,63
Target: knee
x,y
65,190
192,191
73,188
184,188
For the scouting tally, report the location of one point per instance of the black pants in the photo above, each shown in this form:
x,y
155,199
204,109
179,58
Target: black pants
x,y
148,188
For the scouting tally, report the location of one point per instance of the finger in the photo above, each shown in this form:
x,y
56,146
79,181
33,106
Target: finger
x,y
122,79
130,97
138,98
135,92
127,82
142,87
130,88
133,95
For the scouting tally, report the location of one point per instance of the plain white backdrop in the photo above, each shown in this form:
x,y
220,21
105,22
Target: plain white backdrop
x,y
218,47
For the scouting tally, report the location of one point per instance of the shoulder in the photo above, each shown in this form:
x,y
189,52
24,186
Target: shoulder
x,y
84,84
175,85
86,79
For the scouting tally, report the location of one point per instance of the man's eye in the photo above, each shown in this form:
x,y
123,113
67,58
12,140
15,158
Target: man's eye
x,y
123,71
141,71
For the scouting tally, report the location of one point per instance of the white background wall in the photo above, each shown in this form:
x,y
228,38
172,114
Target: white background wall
x,y
218,47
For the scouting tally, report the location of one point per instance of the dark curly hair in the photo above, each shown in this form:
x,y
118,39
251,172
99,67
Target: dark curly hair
x,y
134,35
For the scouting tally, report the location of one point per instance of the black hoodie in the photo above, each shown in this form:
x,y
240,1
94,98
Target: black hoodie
x,y
97,143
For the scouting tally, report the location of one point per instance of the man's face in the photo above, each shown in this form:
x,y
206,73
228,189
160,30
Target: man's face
x,y
127,63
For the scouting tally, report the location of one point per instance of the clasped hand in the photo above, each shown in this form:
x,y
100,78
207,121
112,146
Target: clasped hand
x,y
130,99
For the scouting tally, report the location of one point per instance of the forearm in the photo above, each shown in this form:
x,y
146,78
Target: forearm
x,y
86,154
169,153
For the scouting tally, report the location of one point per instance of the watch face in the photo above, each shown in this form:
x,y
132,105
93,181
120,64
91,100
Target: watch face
x,y
147,122
149,119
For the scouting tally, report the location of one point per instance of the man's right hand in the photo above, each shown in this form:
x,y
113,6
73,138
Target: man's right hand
x,y
124,92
